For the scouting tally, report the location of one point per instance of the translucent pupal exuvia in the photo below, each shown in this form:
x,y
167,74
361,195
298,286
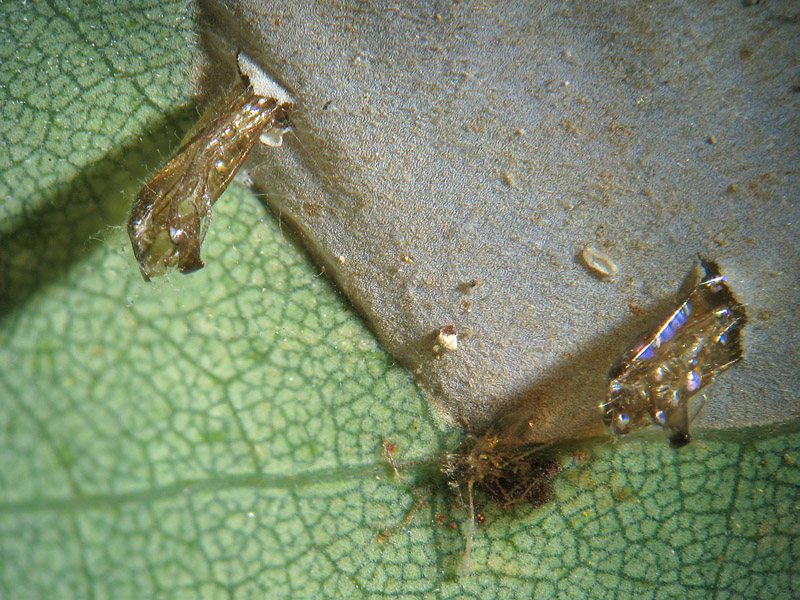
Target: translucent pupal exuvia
x,y
171,214
657,375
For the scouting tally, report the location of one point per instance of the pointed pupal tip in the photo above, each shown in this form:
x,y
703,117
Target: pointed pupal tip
x,y
263,85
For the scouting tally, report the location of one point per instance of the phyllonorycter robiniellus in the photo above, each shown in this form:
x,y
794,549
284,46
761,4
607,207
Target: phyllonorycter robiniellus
x,y
651,384
171,214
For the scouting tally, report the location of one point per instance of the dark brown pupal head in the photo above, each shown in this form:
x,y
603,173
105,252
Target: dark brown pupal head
x,y
679,439
660,373
189,259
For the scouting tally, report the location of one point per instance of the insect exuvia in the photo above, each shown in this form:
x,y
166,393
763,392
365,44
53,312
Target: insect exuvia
x,y
171,214
656,377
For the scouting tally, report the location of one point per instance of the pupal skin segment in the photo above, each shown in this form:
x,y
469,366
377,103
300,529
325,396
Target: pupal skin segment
x,y
660,373
171,214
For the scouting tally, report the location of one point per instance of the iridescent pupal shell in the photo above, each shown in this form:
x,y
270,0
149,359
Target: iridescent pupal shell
x,y
171,214
657,375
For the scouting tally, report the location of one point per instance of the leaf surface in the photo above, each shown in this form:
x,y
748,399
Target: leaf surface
x,y
218,435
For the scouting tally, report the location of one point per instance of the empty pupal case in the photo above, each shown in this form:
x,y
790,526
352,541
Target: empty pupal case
x,y
170,216
683,354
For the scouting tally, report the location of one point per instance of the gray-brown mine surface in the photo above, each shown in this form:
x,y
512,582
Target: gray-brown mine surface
x,y
452,161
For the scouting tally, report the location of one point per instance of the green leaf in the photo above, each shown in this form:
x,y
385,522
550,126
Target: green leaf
x,y
219,435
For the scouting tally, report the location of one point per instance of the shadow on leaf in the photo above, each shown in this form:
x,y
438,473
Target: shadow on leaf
x,y
74,220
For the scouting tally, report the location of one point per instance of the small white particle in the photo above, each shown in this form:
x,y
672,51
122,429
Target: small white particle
x,y
447,338
273,137
599,261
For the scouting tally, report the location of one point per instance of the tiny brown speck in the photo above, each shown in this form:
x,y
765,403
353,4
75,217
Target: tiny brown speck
x,y
635,309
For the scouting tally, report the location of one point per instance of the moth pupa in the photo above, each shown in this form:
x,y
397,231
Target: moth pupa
x,y
170,216
660,373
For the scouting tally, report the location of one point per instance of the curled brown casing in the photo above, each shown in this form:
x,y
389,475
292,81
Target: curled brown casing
x,y
171,214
